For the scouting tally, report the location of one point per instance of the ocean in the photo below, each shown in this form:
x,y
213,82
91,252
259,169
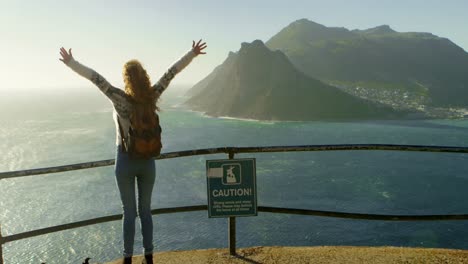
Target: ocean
x,y
73,126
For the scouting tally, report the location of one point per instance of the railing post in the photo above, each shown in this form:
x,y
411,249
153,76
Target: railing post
x,y
232,227
232,236
1,245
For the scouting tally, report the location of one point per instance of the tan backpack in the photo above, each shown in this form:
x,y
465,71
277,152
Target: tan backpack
x,y
144,135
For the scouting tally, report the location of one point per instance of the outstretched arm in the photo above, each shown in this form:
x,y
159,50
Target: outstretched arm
x,y
177,67
88,73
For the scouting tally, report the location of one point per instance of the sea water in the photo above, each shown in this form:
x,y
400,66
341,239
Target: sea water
x,y
67,127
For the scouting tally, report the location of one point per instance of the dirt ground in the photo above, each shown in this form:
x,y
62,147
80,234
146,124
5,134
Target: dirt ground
x,y
348,255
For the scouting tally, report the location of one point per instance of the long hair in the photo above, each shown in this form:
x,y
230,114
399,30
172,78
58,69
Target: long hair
x,y
138,87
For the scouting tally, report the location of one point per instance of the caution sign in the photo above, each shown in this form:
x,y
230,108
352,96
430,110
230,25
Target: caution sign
x,y
232,189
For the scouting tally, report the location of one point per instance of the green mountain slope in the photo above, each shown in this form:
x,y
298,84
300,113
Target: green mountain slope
x,y
420,64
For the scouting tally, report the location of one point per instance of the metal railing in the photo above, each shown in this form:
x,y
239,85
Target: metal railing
x,y
231,151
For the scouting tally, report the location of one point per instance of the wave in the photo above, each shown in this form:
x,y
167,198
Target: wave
x,y
248,120
71,131
204,114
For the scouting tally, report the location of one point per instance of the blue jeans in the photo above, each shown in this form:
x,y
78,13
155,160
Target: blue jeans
x,y
144,171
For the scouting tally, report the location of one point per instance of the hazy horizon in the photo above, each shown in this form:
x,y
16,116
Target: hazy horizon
x,y
104,35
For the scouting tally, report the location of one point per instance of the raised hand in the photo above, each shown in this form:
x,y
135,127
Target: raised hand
x,y
199,47
66,56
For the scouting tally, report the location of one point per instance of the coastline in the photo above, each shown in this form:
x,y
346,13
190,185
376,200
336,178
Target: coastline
x,y
184,107
318,254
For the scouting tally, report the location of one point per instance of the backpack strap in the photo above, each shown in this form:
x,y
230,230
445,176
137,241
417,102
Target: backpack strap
x,y
122,136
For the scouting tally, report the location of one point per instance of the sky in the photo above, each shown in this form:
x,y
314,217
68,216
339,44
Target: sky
x,y
105,34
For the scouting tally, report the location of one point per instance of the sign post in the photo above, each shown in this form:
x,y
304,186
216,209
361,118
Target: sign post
x,y
232,191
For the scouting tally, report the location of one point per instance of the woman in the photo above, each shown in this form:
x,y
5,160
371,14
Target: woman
x,y
138,94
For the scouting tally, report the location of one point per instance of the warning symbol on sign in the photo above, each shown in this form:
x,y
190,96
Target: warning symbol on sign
x,y
232,174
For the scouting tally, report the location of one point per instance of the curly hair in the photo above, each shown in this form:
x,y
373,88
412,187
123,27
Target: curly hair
x,y
138,86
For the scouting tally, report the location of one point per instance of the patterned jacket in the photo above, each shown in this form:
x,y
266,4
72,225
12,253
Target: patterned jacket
x,y
119,99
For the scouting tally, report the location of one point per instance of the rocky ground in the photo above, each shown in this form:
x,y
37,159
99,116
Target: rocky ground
x,y
348,255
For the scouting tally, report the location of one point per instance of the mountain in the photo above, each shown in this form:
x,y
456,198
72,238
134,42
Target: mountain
x,y
383,29
420,66
258,83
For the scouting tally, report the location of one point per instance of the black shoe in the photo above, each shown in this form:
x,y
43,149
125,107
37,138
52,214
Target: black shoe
x,y
127,260
149,259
